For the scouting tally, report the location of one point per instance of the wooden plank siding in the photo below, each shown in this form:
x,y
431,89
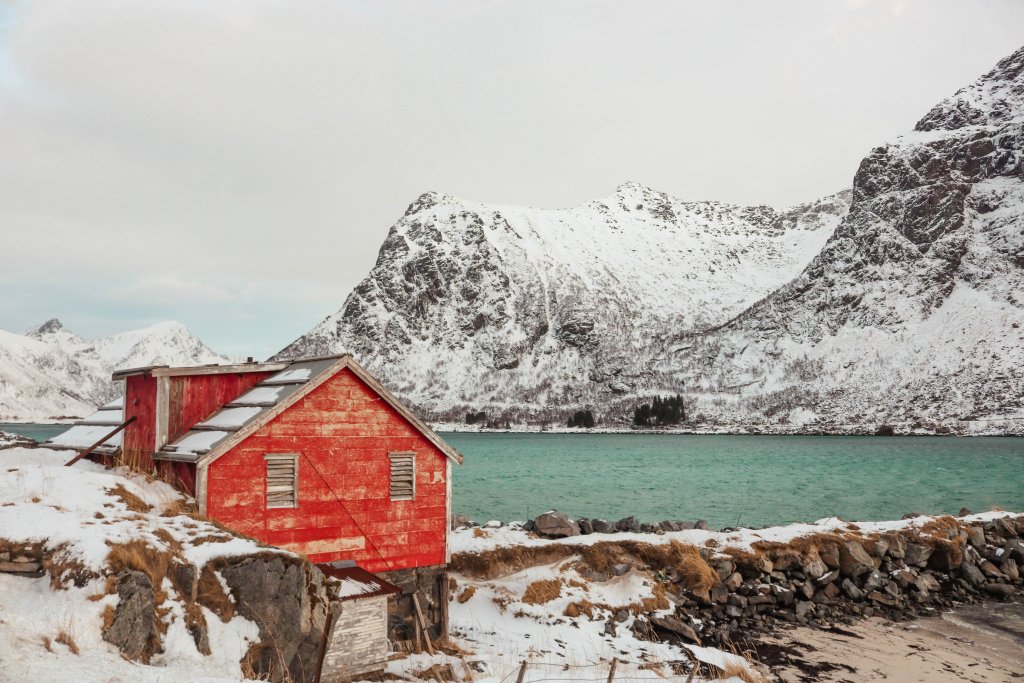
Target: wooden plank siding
x,y
139,436
193,398
343,432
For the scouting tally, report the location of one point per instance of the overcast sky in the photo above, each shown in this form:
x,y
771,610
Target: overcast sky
x,y
235,165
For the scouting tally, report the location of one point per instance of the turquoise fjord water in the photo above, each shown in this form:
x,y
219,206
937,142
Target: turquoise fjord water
x,y
750,480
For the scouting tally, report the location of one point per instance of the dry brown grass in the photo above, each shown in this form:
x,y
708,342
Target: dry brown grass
x,y
466,594
497,562
210,538
738,671
130,500
575,609
142,557
65,638
48,643
64,570
479,533
181,507
108,617
695,572
211,595
658,600
541,592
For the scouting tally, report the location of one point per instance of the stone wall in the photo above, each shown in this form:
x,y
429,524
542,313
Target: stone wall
x,y
430,584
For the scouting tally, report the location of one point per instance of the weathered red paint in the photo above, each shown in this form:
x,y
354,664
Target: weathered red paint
x,y
139,436
343,432
193,398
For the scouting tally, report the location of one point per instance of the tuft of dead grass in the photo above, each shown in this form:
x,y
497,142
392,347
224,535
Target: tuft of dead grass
x,y
48,643
181,506
466,594
109,588
543,591
65,638
695,573
738,671
139,556
496,562
479,533
130,500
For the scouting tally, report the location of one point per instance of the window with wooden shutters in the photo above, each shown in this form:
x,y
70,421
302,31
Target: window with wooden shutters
x,y
403,476
282,480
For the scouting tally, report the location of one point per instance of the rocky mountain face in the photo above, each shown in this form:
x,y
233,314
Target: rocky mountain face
x,y
897,303
521,309
50,372
912,313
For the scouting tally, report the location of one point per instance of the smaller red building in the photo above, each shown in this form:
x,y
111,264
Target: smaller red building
x,y
313,455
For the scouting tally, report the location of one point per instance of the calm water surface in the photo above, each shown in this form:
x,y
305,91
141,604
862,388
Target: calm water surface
x,y
750,480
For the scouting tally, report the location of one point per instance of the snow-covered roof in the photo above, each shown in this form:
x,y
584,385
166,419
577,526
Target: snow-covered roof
x,y
92,429
246,409
273,395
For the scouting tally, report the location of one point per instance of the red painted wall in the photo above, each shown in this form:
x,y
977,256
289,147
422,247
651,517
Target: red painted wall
x,y
193,398
139,436
343,432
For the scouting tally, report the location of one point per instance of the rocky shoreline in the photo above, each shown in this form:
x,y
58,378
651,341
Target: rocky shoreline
x,y
824,580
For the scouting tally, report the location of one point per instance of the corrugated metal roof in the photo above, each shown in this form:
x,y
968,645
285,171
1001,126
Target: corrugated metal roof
x,y
245,409
355,583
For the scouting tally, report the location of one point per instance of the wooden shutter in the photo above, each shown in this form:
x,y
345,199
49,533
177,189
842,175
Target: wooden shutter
x,y
403,476
282,480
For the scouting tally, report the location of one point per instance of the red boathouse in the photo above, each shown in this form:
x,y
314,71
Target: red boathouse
x,y
313,455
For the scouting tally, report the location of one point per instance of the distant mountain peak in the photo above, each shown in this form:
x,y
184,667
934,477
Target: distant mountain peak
x,y
51,326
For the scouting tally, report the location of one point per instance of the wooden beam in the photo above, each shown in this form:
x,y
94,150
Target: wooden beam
x,y
422,622
99,443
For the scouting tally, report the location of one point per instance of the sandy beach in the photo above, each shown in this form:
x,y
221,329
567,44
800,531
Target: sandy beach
x,y
982,643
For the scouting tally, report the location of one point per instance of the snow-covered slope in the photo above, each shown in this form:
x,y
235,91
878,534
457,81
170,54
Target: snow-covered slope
x,y
50,372
471,304
914,310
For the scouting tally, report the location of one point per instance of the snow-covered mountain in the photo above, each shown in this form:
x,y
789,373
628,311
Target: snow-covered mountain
x,y
914,310
50,372
471,304
906,308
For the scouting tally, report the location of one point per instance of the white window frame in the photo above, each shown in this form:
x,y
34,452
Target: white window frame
x,y
279,458
398,457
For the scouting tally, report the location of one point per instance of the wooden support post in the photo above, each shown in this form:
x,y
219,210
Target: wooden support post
x,y
522,673
416,630
611,670
422,622
99,443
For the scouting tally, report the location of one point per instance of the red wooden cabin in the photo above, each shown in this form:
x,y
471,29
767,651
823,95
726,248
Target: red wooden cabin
x,y
312,455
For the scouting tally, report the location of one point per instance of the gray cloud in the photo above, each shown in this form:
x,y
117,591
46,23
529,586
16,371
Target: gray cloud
x,y
235,165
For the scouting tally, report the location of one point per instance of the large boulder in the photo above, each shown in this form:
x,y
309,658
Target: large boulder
x,y
287,599
854,560
133,628
628,524
917,555
555,524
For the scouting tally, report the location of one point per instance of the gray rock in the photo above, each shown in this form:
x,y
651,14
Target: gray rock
x,y
459,521
873,580
628,524
1011,569
972,574
288,601
976,536
852,591
701,524
555,524
803,608
1002,591
134,623
926,583
854,560
828,578
602,526
675,525
815,568
586,527
676,626
917,555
